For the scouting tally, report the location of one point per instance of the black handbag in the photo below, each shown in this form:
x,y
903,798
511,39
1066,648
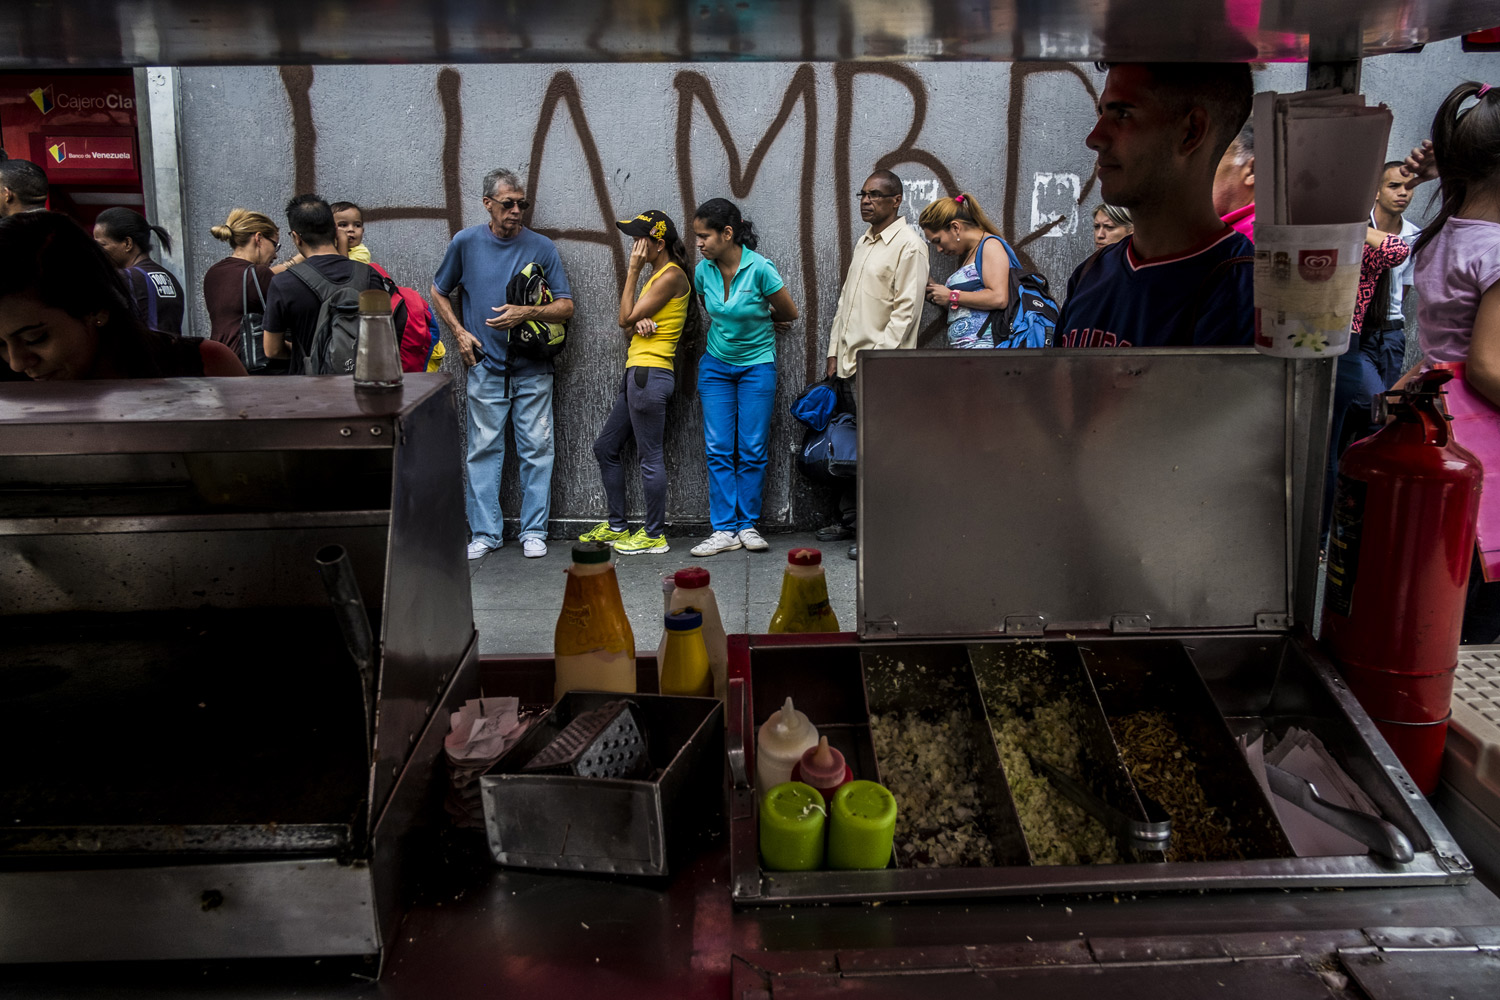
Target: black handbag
x,y
252,325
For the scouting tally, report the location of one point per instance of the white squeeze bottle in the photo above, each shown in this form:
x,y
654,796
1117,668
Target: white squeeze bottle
x,y
782,741
691,590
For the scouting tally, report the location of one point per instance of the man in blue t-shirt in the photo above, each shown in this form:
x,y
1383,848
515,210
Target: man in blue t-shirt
x,y
1183,278
481,261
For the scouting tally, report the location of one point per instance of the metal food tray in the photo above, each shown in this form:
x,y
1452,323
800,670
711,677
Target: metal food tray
x,y
1253,683
611,825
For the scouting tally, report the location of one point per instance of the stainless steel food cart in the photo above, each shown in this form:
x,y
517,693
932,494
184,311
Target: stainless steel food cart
x,y
197,764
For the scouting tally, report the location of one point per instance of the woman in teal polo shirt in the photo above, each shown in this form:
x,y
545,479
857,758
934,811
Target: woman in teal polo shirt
x,y
747,305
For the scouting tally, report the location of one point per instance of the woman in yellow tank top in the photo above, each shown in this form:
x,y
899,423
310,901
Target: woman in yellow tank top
x,y
653,323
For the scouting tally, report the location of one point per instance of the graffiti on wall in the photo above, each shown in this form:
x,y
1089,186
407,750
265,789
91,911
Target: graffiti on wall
x,y
1053,197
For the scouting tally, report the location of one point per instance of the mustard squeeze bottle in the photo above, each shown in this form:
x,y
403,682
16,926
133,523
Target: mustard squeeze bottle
x,y
804,603
684,669
593,646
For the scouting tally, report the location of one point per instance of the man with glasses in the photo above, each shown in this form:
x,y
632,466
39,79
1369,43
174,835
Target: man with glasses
x,y
481,261
880,306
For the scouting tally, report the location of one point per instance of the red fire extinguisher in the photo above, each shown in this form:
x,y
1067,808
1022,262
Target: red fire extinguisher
x,y
1399,552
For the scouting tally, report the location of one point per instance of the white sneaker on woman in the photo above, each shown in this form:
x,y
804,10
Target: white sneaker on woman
x,y
719,541
750,539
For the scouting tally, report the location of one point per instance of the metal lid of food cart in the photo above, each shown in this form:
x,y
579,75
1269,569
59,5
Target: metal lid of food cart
x,y
1012,492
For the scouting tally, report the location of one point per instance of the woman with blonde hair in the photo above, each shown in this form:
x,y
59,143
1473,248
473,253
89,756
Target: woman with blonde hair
x,y
235,288
1111,224
980,287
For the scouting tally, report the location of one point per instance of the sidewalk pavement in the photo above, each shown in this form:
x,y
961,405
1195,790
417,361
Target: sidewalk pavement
x,y
517,600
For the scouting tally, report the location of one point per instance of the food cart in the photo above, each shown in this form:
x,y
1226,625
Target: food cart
x,y
1187,542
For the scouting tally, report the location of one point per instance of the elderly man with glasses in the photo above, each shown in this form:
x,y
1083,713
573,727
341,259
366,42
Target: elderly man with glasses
x,y
502,385
880,306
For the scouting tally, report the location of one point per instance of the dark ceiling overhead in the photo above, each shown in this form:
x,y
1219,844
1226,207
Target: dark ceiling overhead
x,y
91,33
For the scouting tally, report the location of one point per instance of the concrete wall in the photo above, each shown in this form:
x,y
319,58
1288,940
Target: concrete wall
x,y
788,142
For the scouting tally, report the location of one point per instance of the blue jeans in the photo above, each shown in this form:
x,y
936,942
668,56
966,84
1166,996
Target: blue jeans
x,y
529,408
640,412
737,404
1356,379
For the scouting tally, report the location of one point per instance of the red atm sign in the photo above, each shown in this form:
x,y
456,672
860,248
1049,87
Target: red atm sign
x,y
68,156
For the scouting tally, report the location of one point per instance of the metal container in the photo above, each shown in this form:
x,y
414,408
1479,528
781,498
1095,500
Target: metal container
x,y
614,825
164,552
1119,508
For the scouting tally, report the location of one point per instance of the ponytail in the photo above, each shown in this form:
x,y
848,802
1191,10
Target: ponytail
x,y
962,208
721,213
744,235
1466,147
124,223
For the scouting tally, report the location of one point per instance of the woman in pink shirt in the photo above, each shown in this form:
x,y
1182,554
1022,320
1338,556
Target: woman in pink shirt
x,y
1457,277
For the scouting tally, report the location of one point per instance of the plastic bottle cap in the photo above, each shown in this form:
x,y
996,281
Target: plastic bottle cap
x,y
684,621
822,755
691,578
375,303
668,583
788,730
591,552
804,557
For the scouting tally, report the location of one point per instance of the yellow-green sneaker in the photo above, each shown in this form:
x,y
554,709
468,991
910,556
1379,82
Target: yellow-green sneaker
x,y
602,532
640,544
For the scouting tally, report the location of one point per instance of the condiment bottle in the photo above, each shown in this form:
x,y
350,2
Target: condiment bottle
x,y
690,589
792,820
685,667
861,826
781,742
804,596
824,768
593,644
377,362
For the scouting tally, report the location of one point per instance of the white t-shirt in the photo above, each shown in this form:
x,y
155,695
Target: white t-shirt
x,y
1401,276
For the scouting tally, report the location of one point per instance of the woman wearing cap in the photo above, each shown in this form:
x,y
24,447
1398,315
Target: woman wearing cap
x,y
653,323
747,305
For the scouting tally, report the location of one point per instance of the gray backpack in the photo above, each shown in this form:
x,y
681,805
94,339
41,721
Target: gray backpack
x,y
335,337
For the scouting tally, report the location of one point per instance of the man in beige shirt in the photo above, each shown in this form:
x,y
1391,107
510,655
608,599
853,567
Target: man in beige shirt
x,y
880,307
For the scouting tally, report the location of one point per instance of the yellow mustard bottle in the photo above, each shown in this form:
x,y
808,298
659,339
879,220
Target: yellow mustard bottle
x,y
593,646
685,670
804,603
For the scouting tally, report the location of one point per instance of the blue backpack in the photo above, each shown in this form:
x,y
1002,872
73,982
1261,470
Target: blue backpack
x,y
816,404
831,455
1031,314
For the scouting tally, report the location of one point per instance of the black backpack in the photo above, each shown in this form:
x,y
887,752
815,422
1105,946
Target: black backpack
x,y
534,339
335,338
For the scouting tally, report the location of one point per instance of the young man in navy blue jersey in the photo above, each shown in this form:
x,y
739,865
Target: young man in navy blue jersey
x,y
1183,278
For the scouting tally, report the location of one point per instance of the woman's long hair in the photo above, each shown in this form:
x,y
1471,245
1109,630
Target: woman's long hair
x,y
1119,216
1466,145
964,207
47,255
677,254
721,213
120,223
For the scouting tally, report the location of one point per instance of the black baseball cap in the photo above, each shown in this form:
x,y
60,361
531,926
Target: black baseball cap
x,y
650,224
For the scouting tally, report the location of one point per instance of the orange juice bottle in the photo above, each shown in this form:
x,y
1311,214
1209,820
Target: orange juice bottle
x,y
593,645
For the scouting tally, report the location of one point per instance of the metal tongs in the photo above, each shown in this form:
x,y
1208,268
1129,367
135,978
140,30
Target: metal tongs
x,y
1379,835
1151,834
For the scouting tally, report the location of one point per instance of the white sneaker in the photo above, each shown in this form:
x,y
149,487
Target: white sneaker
x,y
533,548
477,550
750,539
719,541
